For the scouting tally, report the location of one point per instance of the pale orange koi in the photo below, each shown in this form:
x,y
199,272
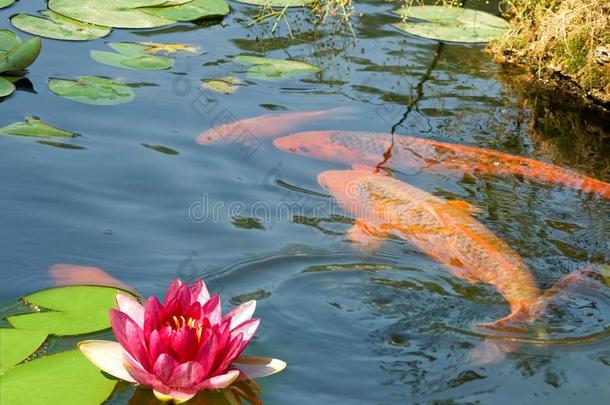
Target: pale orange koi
x,y
444,230
266,126
64,274
418,154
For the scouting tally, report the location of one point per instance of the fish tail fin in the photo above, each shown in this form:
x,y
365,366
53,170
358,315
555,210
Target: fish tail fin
x,y
341,112
586,277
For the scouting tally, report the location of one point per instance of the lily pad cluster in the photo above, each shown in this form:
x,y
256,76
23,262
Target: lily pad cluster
x,y
451,24
82,20
66,377
15,57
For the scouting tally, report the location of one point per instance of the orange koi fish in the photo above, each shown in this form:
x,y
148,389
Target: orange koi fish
x,y
444,230
377,149
266,126
70,274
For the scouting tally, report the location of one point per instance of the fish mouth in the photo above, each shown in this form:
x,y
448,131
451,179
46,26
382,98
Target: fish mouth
x,y
205,138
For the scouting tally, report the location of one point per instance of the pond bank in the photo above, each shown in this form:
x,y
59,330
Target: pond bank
x,y
565,44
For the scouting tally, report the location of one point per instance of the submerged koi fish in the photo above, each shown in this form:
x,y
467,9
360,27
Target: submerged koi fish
x,y
265,126
377,149
444,230
70,274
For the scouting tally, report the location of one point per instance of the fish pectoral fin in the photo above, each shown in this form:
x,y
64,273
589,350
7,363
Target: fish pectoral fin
x,y
362,233
464,206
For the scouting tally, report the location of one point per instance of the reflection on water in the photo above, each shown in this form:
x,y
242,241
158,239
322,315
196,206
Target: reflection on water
x,y
389,326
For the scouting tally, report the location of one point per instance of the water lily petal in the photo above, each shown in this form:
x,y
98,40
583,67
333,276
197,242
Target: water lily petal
x,y
172,291
212,310
177,397
141,376
164,366
185,344
200,292
219,382
232,350
152,315
130,336
107,356
242,313
248,329
128,305
207,353
251,367
159,342
186,375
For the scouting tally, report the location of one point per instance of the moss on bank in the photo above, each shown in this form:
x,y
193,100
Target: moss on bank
x,y
567,38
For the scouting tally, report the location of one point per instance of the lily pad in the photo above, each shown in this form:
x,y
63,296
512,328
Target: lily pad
x,y
34,127
451,24
111,13
17,345
72,310
66,378
6,3
191,11
275,68
161,149
278,3
6,87
222,85
8,39
56,26
92,90
138,62
20,56
154,48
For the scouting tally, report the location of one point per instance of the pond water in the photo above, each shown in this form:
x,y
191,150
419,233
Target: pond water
x,y
383,327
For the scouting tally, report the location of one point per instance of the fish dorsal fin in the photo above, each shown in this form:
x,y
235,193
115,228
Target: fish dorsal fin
x,y
372,169
463,206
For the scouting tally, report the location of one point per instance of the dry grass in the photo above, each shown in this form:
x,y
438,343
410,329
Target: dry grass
x,y
561,36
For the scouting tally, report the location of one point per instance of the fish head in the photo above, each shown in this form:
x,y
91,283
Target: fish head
x,y
347,186
318,145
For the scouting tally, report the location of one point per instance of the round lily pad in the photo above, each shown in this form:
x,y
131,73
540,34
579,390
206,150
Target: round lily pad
x,y
56,26
66,378
137,62
8,39
275,68
34,127
193,10
72,310
92,90
20,56
278,3
451,24
6,87
6,3
17,345
111,13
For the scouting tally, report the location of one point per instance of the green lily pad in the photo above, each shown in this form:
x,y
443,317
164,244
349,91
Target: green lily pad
x,y
72,310
222,85
6,87
111,13
191,11
161,149
154,48
8,39
275,68
34,127
6,3
66,378
92,90
56,26
278,3
20,56
451,24
17,345
139,62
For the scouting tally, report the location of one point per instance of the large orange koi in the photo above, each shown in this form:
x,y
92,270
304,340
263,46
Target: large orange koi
x,y
444,230
401,151
266,126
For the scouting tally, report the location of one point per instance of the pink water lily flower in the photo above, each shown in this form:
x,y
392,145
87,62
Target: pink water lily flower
x,y
182,346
